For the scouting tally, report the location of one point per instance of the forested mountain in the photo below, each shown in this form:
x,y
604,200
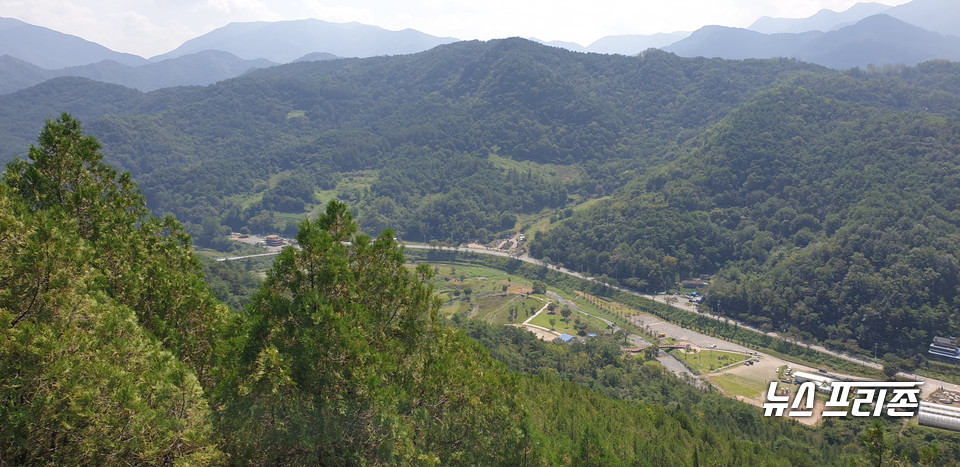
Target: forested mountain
x,y
16,74
818,217
759,171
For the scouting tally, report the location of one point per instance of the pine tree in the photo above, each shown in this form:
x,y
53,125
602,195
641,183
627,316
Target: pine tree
x,y
143,262
344,361
81,380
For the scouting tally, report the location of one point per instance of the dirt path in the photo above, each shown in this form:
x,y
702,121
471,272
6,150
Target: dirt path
x,y
541,310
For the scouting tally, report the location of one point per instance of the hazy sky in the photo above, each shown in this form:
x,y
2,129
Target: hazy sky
x,y
152,27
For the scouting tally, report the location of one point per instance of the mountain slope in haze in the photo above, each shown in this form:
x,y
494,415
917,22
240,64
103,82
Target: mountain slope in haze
x,y
316,57
876,40
200,68
572,46
634,44
739,44
879,40
824,20
197,69
286,41
50,49
942,16
16,74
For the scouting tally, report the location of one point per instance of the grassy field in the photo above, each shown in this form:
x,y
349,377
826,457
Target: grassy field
x,y
563,173
706,361
492,294
543,319
497,308
740,385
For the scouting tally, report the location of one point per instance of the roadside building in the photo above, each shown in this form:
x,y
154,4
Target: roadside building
x,y
273,240
944,349
693,284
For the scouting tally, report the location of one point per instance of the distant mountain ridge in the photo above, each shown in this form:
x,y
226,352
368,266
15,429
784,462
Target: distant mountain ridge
x,y
631,44
197,69
50,49
286,41
907,34
875,40
739,44
824,20
30,54
879,40
941,16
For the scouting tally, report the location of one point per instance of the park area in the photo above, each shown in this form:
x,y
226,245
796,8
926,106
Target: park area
x,y
498,298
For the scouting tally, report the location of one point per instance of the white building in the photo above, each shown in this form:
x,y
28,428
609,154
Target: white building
x,y
939,416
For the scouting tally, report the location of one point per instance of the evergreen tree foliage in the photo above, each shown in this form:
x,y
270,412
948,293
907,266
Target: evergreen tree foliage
x,y
343,361
82,380
142,262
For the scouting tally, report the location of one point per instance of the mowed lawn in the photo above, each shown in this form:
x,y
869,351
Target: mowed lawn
x,y
706,361
497,308
741,385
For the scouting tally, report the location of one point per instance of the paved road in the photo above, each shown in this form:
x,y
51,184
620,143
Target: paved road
x,y
657,325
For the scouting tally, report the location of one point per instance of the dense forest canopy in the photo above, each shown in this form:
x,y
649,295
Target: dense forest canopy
x,y
822,202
